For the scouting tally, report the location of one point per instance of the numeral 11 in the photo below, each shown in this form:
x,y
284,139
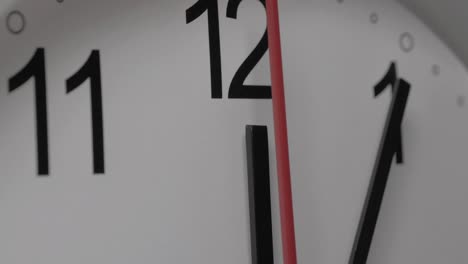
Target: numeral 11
x,y
90,70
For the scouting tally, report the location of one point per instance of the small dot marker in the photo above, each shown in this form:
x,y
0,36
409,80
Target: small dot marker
x,y
374,18
435,70
461,101
406,42
15,22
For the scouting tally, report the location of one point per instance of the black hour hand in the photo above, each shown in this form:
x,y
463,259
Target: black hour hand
x,y
258,165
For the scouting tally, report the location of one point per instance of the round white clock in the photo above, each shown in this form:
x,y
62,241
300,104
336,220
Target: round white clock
x,y
142,132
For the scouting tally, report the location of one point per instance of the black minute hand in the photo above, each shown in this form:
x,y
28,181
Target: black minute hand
x,y
387,149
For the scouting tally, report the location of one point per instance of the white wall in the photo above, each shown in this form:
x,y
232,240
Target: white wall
x,y
448,18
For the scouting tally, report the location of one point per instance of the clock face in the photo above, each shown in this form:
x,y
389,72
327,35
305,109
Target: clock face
x,y
124,134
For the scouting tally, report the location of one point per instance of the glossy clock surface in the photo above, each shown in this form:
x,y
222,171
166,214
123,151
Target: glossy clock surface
x,y
124,123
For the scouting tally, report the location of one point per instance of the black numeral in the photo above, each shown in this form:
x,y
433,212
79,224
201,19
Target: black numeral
x,y
238,89
391,79
36,69
211,7
92,70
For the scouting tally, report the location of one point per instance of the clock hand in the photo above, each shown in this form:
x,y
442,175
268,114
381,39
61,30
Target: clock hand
x,y
261,237
281,135
380,174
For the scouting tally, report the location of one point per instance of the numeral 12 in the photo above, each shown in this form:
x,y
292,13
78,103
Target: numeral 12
x,y
237,89
90,70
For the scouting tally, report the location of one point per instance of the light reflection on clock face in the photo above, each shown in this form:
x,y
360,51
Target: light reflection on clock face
x,y
175,186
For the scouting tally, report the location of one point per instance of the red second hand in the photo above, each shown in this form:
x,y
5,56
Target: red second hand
x,y
281,135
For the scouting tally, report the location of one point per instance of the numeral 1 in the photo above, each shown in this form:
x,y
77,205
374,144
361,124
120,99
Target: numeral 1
x,y
36,69
391,79
92,70
211,7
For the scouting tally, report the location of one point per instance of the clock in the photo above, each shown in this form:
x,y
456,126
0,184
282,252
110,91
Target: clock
x,y
154,132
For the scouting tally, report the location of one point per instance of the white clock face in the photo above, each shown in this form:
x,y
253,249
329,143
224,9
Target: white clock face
x,y
123,131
